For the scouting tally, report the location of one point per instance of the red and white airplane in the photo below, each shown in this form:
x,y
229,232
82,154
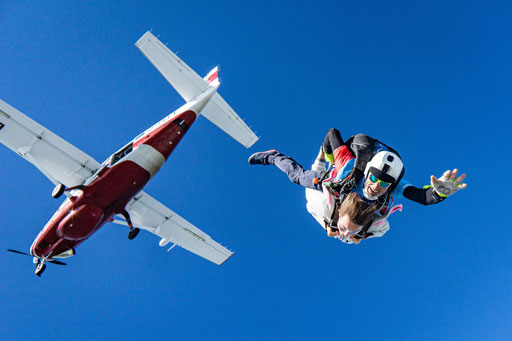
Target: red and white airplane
x,y
112,191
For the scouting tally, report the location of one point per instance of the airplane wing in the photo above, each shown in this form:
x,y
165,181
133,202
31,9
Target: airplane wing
x,y
58,160
149,214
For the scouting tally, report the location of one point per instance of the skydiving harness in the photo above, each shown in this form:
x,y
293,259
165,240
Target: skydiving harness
x,y
363,147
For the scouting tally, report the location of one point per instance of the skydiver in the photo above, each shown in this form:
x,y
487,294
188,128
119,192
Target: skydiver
x,y
362,165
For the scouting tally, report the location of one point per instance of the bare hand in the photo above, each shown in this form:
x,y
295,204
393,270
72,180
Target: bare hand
x,y
356,240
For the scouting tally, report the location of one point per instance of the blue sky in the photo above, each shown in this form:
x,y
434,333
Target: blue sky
x,y
432,80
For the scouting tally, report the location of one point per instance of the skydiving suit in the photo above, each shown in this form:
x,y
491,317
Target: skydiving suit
x,y
320,202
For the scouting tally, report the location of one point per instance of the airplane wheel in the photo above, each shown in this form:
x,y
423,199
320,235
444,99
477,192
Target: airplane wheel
x,y
58,190
133,233
40,268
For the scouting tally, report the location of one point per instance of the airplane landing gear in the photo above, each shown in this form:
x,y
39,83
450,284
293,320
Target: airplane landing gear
x,y
40,268
58,191
133,231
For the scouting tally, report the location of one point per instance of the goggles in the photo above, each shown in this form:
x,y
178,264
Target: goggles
x,y
382,184
346,232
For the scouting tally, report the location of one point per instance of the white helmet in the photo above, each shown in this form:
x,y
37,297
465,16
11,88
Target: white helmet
x,y
386,166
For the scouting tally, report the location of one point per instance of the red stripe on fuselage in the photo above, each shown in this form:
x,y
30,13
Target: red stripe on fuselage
x,y
167,136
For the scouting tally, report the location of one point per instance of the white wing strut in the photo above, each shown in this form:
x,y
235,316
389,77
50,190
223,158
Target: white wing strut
x,y
149,214
56,158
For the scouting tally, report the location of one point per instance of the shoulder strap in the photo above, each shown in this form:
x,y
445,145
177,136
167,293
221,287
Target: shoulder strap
x,y
382,202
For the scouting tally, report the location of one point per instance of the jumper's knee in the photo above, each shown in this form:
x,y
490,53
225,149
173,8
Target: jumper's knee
x,y
332,140
295,178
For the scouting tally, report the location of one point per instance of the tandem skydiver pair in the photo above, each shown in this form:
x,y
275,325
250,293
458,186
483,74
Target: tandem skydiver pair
x,y
354,185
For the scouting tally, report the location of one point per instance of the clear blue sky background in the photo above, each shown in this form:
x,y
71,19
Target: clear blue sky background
x,y
432,80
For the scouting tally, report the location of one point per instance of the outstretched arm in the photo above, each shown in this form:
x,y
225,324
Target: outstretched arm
x,y
439,189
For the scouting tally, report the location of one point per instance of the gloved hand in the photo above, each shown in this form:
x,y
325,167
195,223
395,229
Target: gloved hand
x,y
448,184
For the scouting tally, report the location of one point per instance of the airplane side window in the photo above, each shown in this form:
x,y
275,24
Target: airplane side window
x,y
121,153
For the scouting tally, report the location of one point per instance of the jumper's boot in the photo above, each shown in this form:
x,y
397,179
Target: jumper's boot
x,y
261,158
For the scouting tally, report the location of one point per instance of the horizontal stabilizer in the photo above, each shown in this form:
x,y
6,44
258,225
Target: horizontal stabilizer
x,y
190,85
223,116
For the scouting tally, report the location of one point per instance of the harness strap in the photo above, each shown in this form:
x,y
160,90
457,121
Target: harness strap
x,y
382,204
339,191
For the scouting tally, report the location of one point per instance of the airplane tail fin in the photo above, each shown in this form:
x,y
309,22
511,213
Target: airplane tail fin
x,y
212,77
190,85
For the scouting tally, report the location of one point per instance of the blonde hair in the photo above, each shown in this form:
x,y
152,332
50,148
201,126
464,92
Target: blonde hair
x,y
358,211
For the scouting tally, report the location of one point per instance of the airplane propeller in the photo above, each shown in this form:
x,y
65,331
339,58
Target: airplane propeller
x,y
49,260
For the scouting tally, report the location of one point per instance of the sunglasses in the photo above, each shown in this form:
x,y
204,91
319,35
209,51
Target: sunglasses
x,y
382,184
346,232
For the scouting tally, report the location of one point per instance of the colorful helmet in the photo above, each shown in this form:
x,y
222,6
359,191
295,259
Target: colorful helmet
x,y
386,166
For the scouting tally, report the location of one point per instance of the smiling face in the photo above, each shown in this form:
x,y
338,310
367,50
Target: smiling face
x,y
375,187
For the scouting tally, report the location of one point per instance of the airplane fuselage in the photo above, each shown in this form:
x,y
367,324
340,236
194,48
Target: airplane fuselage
x,y
108,191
